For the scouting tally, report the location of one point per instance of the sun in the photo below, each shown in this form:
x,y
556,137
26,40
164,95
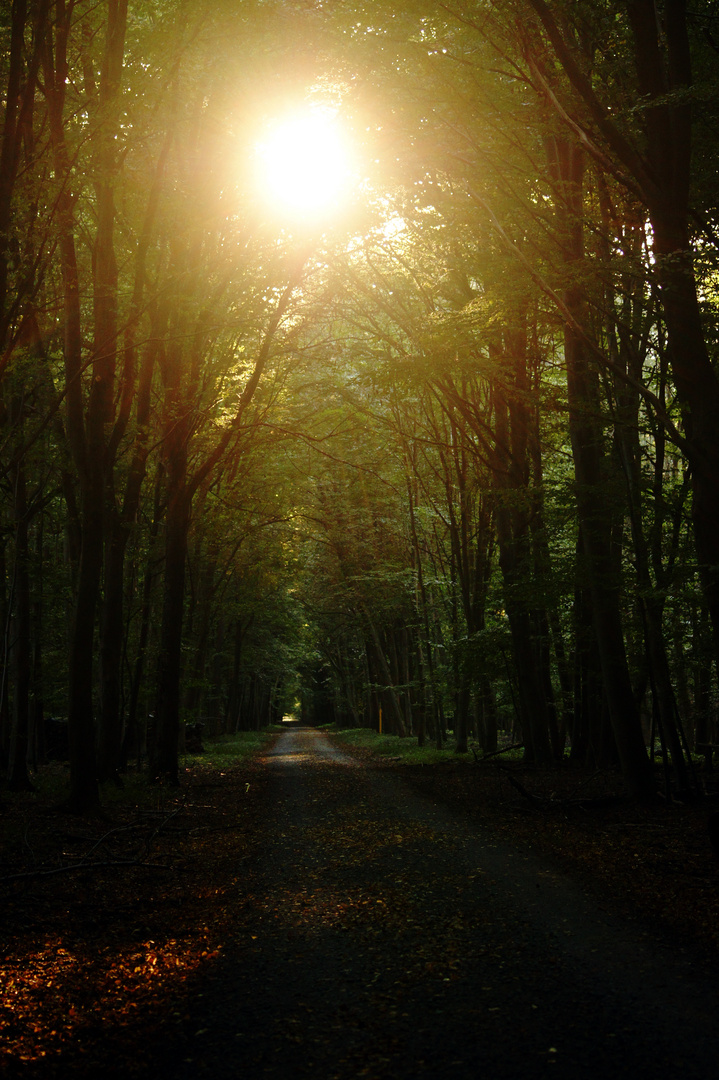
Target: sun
x,y
305,164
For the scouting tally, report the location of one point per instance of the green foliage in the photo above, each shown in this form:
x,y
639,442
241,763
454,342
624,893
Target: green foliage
x,y
400,493
224,751
406,751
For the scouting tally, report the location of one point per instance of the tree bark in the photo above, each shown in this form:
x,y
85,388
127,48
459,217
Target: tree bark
x,y
86,427
165,743
517,566
594,511
660,174
18,778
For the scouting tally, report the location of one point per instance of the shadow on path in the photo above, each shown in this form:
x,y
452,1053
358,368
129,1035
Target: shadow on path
x,y
378,935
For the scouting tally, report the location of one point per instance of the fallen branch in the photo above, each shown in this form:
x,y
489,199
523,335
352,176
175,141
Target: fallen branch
x,y
550,801
494,753
69,867
160,825
539,800
546,800
113,832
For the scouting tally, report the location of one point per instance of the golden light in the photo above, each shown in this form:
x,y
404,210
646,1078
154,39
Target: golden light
x,y
305,165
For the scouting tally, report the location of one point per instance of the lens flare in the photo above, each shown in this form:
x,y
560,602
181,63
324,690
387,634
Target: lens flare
x,y
305,164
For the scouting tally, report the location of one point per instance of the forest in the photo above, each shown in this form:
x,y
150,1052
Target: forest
x,y
438,457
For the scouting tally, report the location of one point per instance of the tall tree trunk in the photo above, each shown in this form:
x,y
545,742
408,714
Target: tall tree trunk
x,y
5,605
387,679
512,517
660,172
84,792
111,636
594,511
165,745
37,705
86,427
132,739
664,71
118,519
593,744
18,778
650,604
19,95
424,644
489,720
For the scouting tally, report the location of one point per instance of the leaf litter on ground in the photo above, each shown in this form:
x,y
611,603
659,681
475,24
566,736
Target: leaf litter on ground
x,y
105,959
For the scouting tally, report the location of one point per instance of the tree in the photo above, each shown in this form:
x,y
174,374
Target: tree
x,y
472,421
655,164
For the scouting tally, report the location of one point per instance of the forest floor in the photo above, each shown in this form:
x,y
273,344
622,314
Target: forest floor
x,y
216,925
654,861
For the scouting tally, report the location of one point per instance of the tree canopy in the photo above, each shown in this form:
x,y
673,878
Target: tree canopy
x,y
433,447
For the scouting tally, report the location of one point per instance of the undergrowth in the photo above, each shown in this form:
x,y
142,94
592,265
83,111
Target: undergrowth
x,y
407,749
228,750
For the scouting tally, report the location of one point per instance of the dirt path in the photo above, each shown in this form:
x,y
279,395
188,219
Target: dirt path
x,y
378,935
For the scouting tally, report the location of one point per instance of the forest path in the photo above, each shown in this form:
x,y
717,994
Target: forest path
x,y
379,935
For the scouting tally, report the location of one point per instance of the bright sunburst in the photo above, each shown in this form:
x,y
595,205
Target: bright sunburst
x,y
305,164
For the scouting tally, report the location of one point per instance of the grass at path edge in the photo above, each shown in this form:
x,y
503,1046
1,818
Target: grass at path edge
x,y
405,749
